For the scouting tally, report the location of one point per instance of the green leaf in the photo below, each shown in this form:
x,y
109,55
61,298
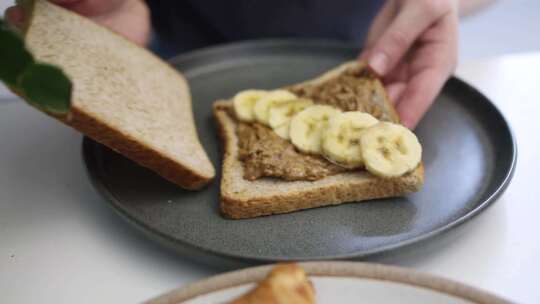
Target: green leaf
x,y
47,87
14,58
43,85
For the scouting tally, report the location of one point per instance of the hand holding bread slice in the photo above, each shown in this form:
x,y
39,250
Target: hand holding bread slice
x,y
123,96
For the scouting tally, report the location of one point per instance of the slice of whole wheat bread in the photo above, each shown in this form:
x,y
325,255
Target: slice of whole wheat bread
x,y
123,96
241,198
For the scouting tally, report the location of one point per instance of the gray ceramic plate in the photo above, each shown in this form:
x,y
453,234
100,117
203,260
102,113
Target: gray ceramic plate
x,y
469,158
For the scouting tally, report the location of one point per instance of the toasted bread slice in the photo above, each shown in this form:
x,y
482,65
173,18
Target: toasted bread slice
x,y
241,198
286,283
123,96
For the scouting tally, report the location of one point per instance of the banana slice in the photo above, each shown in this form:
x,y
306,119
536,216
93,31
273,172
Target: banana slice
x,y
263,105
306,127
390,150
341,141
244,102
280,115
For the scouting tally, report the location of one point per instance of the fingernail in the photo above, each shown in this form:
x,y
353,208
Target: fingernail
x,y
378,63
405,118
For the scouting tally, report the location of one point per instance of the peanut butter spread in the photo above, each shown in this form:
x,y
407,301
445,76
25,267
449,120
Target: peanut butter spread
x,y
356,89
264,153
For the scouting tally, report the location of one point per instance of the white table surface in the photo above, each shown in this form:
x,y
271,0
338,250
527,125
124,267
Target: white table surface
x,y
59,242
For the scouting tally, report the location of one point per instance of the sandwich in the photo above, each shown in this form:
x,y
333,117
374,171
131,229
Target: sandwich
x,y
123,96
331,140
284,284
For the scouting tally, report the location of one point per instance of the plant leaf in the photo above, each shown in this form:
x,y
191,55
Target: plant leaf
x,y
14,58
44,85
47,87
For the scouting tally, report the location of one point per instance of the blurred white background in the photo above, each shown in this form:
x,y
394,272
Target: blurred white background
x,y
503,27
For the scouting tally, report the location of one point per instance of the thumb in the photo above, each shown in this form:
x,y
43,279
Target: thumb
x,y
411,21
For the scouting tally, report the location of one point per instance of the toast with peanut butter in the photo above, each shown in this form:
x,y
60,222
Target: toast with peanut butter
x,y
285,283
330,140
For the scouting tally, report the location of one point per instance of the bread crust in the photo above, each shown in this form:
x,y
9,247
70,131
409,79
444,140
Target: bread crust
x,y
130,148
147,157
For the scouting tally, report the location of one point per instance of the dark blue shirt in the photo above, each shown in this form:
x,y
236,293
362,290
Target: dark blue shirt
x,y
180,26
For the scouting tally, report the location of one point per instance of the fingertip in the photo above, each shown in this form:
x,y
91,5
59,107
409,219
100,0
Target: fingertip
x,y
410,124
15,16
408,107
379,62
420,94
395,90
409,116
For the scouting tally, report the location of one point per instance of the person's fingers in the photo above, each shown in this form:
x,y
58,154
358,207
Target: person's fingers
x,y
411,21
418,96
91,7
399,74
432,65
15,16
130,18
379,24
395,90
132,21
